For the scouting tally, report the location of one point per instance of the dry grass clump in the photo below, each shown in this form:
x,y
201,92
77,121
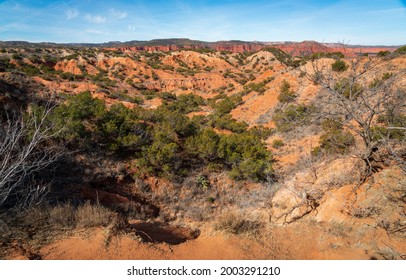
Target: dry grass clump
x,y
41,225
62,216
93,215
84,216
339,229
35,217
236,224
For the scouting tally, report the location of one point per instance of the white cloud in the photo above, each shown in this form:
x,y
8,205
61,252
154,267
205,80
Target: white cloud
x,y
98,32
387,11
95,19
131,28
71,13
118,14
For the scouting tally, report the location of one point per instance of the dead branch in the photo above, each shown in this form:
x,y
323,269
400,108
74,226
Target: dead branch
x,y
24,152
352,100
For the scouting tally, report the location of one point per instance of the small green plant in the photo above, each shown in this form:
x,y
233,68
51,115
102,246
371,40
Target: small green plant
x,y
211,199
386,76
285,94
277,143
129,82
339,66
155,77
334,140
203,182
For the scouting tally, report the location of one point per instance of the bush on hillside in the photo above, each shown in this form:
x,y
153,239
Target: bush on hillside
x,y
77,118
334,140
285,94
186,103
401,50
349,89
339,66
383,53
227,122
291,117
204,145
161,156
246,156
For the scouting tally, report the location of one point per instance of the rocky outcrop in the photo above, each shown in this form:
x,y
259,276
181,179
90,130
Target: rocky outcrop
x,y
304,48
235,48
292,48
183,83
238,48
69,66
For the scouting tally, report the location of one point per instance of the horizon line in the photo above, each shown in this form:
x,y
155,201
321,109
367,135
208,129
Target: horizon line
x,y
197,40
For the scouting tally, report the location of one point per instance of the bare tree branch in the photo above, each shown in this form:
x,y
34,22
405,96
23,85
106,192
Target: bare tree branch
x,y
25,151
350,98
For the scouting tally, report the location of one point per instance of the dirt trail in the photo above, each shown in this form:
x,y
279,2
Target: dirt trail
x,y
278,243
207,246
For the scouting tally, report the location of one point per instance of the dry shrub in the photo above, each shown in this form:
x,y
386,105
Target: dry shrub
x,y
339,229
88,215
84,216
195,213
365,212
5,231
236,224
34,217
63,216
41,225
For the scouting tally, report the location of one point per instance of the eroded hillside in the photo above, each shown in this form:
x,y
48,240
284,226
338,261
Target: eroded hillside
x,y
182,148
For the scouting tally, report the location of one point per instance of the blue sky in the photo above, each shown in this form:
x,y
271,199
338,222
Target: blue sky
x,y
356,22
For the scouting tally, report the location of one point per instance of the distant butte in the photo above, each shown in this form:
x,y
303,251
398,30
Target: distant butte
x,y
292,48
235,46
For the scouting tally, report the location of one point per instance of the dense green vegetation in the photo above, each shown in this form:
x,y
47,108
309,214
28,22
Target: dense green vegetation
x,y
186,103
164,141
383,53
401,50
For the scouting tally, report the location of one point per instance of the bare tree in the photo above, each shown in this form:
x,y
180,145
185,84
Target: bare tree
x,y
24,152
356,93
